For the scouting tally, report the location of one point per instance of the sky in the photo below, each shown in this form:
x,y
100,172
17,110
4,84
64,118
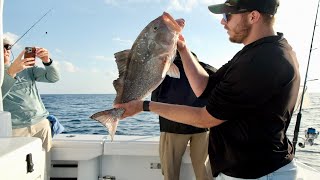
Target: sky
x,y
83,35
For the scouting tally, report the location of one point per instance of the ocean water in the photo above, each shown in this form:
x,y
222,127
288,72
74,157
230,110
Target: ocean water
x,y
74,110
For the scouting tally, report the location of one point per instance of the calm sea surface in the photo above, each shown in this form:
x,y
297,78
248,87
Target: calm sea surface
x,y
74,110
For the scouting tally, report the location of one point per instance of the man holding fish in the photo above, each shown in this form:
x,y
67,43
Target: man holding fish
x,y
250,99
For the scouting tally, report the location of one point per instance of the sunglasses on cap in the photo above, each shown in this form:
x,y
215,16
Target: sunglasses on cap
x,y
7,46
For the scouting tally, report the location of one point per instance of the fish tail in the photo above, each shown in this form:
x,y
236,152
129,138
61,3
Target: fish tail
x,y
109,118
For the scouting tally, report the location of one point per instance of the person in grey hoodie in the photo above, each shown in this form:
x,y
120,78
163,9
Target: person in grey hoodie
x,y
21,96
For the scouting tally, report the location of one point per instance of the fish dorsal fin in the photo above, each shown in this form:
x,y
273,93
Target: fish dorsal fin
x,y
173,71
122,59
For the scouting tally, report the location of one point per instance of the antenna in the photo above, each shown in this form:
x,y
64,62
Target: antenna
x,y
31,27
299,115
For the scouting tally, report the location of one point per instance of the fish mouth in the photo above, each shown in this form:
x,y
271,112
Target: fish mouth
x,y
181,22
168,19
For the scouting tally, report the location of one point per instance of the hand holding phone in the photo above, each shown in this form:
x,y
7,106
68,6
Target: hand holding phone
x,y
30,53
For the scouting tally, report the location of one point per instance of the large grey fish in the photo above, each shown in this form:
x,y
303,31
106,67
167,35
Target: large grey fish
x,y
143,67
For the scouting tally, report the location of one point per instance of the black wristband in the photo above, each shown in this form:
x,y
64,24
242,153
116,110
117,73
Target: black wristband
x,y
49,63
146,106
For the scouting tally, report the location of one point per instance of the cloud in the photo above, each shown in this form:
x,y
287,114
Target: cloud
x,y
59,51
122,2
182,5
12,38
67,66
112,74
112,2
210,2
94,70
175,5
123,41
103,58
189,5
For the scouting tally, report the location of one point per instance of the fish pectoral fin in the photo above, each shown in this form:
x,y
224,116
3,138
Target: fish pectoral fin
x,y
173,71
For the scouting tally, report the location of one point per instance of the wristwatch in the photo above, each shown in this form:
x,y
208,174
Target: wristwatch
x,y
49,63
146,106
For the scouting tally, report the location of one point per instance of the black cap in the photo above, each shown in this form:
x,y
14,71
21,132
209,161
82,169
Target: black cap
x,y
238,6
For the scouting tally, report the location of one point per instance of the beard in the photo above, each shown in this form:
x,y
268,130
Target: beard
x,y
241,32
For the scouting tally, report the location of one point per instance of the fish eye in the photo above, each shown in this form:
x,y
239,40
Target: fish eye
x,y
155,28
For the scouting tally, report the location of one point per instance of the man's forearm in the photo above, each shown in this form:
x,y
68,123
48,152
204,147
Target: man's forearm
x,y
196,74
194,116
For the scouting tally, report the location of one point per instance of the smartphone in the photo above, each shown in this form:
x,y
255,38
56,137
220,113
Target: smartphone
x,y
30,53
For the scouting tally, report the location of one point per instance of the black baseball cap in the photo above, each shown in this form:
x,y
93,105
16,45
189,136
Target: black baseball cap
x,y
238,6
